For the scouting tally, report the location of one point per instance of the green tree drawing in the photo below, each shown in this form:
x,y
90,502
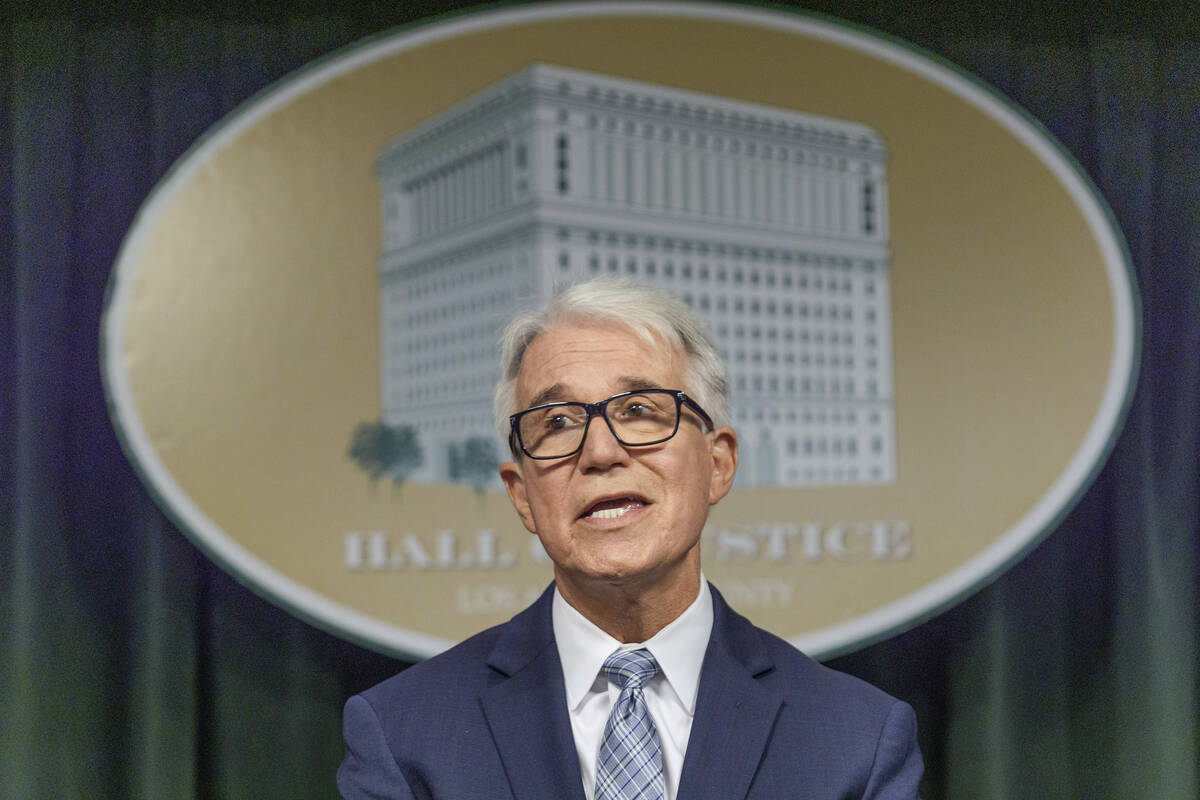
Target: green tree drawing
x,y
371,447
382,450
406,454
475,461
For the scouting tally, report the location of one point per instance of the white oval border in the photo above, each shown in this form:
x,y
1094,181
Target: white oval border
x,y
823,643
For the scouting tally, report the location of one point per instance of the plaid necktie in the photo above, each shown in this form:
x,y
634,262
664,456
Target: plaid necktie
x,y
630,764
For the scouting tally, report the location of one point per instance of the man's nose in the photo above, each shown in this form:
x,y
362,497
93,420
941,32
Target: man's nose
x,y
601,449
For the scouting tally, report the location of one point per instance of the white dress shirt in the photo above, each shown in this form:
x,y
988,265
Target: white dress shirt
x,y
670,695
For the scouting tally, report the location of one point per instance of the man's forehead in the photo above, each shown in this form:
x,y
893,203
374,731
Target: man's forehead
x,y
588,361
561,391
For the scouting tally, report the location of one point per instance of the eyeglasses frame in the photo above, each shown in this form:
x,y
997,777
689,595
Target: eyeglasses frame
x,y
600,409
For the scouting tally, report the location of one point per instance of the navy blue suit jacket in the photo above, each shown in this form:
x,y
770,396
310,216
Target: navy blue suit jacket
x,y
488,720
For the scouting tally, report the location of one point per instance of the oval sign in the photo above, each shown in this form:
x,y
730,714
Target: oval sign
x,y
927,310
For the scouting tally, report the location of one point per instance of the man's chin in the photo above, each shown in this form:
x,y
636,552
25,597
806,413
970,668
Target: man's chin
x,y
626,573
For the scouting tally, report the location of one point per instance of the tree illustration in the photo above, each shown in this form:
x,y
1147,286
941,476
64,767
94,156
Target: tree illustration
x,y
406,454
372,447
475,461
380,449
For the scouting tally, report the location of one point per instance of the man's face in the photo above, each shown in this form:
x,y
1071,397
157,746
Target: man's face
x,y
654,499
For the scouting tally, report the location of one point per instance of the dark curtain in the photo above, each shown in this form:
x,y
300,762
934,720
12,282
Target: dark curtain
x,y
131,667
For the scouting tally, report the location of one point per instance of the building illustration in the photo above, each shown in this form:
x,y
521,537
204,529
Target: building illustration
x,y
771,224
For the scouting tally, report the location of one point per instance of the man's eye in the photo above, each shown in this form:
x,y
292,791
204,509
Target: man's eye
x,y
637,410
558,422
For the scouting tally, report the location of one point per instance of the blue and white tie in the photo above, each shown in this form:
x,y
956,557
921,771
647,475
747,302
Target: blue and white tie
x,y
630,765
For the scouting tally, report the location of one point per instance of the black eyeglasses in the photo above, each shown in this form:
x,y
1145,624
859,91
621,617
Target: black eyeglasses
x,y
636,419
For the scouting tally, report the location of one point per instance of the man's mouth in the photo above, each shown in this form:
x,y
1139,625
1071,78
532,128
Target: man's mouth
x,y
614,507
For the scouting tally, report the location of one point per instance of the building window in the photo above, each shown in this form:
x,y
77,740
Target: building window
x,y
868,207
563,163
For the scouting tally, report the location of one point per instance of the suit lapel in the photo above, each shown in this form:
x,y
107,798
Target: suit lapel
x,y
527,712
734,712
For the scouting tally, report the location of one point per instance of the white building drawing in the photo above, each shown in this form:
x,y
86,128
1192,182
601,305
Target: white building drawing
x,y
771,224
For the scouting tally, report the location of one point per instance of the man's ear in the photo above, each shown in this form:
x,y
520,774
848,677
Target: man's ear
x,y
725,462
514,484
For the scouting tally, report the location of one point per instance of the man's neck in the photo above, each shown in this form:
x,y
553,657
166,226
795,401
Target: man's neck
x,y
630,611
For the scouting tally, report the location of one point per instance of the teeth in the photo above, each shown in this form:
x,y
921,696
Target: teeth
x,y
609,513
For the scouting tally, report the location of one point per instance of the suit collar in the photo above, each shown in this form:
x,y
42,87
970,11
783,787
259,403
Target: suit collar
x,y
527,713
735,712
741,641
528,717
524,637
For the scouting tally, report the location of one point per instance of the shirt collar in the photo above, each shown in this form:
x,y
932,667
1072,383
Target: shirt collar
x,y
679,648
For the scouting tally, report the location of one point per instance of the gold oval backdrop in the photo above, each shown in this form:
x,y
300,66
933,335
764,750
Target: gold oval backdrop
x,y
249,318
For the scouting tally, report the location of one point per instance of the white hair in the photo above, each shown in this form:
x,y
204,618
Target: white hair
x,y
655,315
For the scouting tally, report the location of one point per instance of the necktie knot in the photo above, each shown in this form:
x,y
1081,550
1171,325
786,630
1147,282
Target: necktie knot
x,y
630,669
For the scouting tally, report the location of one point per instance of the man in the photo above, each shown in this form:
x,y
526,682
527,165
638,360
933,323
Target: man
x,y
630,677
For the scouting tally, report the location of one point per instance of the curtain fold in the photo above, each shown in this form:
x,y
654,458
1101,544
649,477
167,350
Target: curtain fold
x,y
132,667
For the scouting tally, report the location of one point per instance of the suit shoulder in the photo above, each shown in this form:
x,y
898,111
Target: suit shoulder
x,y
448,672
857,734
797,674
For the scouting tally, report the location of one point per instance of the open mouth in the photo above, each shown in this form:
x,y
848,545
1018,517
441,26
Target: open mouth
x,y
614,507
